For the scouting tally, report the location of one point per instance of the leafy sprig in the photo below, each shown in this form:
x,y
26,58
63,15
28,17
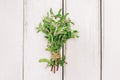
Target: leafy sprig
x,y
57,30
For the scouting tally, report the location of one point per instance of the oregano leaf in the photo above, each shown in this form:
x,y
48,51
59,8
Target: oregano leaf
x,y
44,60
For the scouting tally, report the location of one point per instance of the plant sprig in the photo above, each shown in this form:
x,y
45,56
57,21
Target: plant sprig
x,y
57,30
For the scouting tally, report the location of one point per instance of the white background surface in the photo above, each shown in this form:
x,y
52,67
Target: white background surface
x,y
83,53
11,36
84,13
111,52
35,43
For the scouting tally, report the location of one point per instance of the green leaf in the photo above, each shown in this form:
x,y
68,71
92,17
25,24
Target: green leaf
x,y
57,30
64,16
73,23
39,28
52,62
59,11
51,11
75,31
44,60
61,63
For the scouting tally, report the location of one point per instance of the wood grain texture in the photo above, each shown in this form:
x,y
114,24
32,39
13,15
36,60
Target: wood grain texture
x,y
111,31
35,43
83,54
11,37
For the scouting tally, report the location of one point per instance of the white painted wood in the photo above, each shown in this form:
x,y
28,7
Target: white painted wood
x,y
83,53
35,43
111,28
11,39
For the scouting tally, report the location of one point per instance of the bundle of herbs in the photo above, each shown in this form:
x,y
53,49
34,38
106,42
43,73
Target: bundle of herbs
x,y
57,30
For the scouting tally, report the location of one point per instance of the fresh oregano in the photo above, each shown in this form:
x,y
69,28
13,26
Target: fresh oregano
x,y
57,30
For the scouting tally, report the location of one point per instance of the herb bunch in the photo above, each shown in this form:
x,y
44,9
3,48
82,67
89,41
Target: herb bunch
x,y
57,30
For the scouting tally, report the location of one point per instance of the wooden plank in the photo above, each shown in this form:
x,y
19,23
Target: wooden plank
x,y
35,43
111,47
11,36
83,54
